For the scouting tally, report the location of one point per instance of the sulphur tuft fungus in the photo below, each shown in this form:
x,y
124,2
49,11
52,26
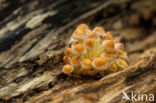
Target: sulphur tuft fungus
x,y
93,51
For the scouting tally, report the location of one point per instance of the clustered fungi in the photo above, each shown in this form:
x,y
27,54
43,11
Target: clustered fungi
x,y
93,51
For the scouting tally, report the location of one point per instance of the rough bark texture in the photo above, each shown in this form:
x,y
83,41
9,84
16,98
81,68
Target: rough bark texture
x,y
34,33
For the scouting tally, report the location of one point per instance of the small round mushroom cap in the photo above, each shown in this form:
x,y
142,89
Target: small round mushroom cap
x,y
75,61
93,35
83,26
123,55
99,31
107,36
67,69
113,67
108,45
119,47
99,63
122,63
68,52
78,49
106,55
89,43
66,59
86,63
81,32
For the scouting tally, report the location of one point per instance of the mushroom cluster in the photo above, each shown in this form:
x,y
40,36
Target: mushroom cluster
x,y
93,51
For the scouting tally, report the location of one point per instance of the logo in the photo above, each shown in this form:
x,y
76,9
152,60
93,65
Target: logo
x,y
138,97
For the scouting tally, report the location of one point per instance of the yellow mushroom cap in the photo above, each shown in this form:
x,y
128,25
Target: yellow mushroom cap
x,y
81,32
122,63
66,59
93,35
108,44
107,36
86,63
123,55
75,61
68,51
113,67
114,54
89,43
78,49
106,55
99,30
99,63
83,26
67,69
119,47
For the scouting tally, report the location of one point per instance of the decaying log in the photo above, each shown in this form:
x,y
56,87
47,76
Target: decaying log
x,y
34,33
139,77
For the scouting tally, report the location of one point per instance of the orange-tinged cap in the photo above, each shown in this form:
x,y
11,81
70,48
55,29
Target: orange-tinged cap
x,y
79,47
98,29
89,42
113,67
75,61
107,36
123,55
87,62
66,59
106,55
108,43
68,51
83,26
100,62
93,35
119,46
109,33
122,63
67,69
79,31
